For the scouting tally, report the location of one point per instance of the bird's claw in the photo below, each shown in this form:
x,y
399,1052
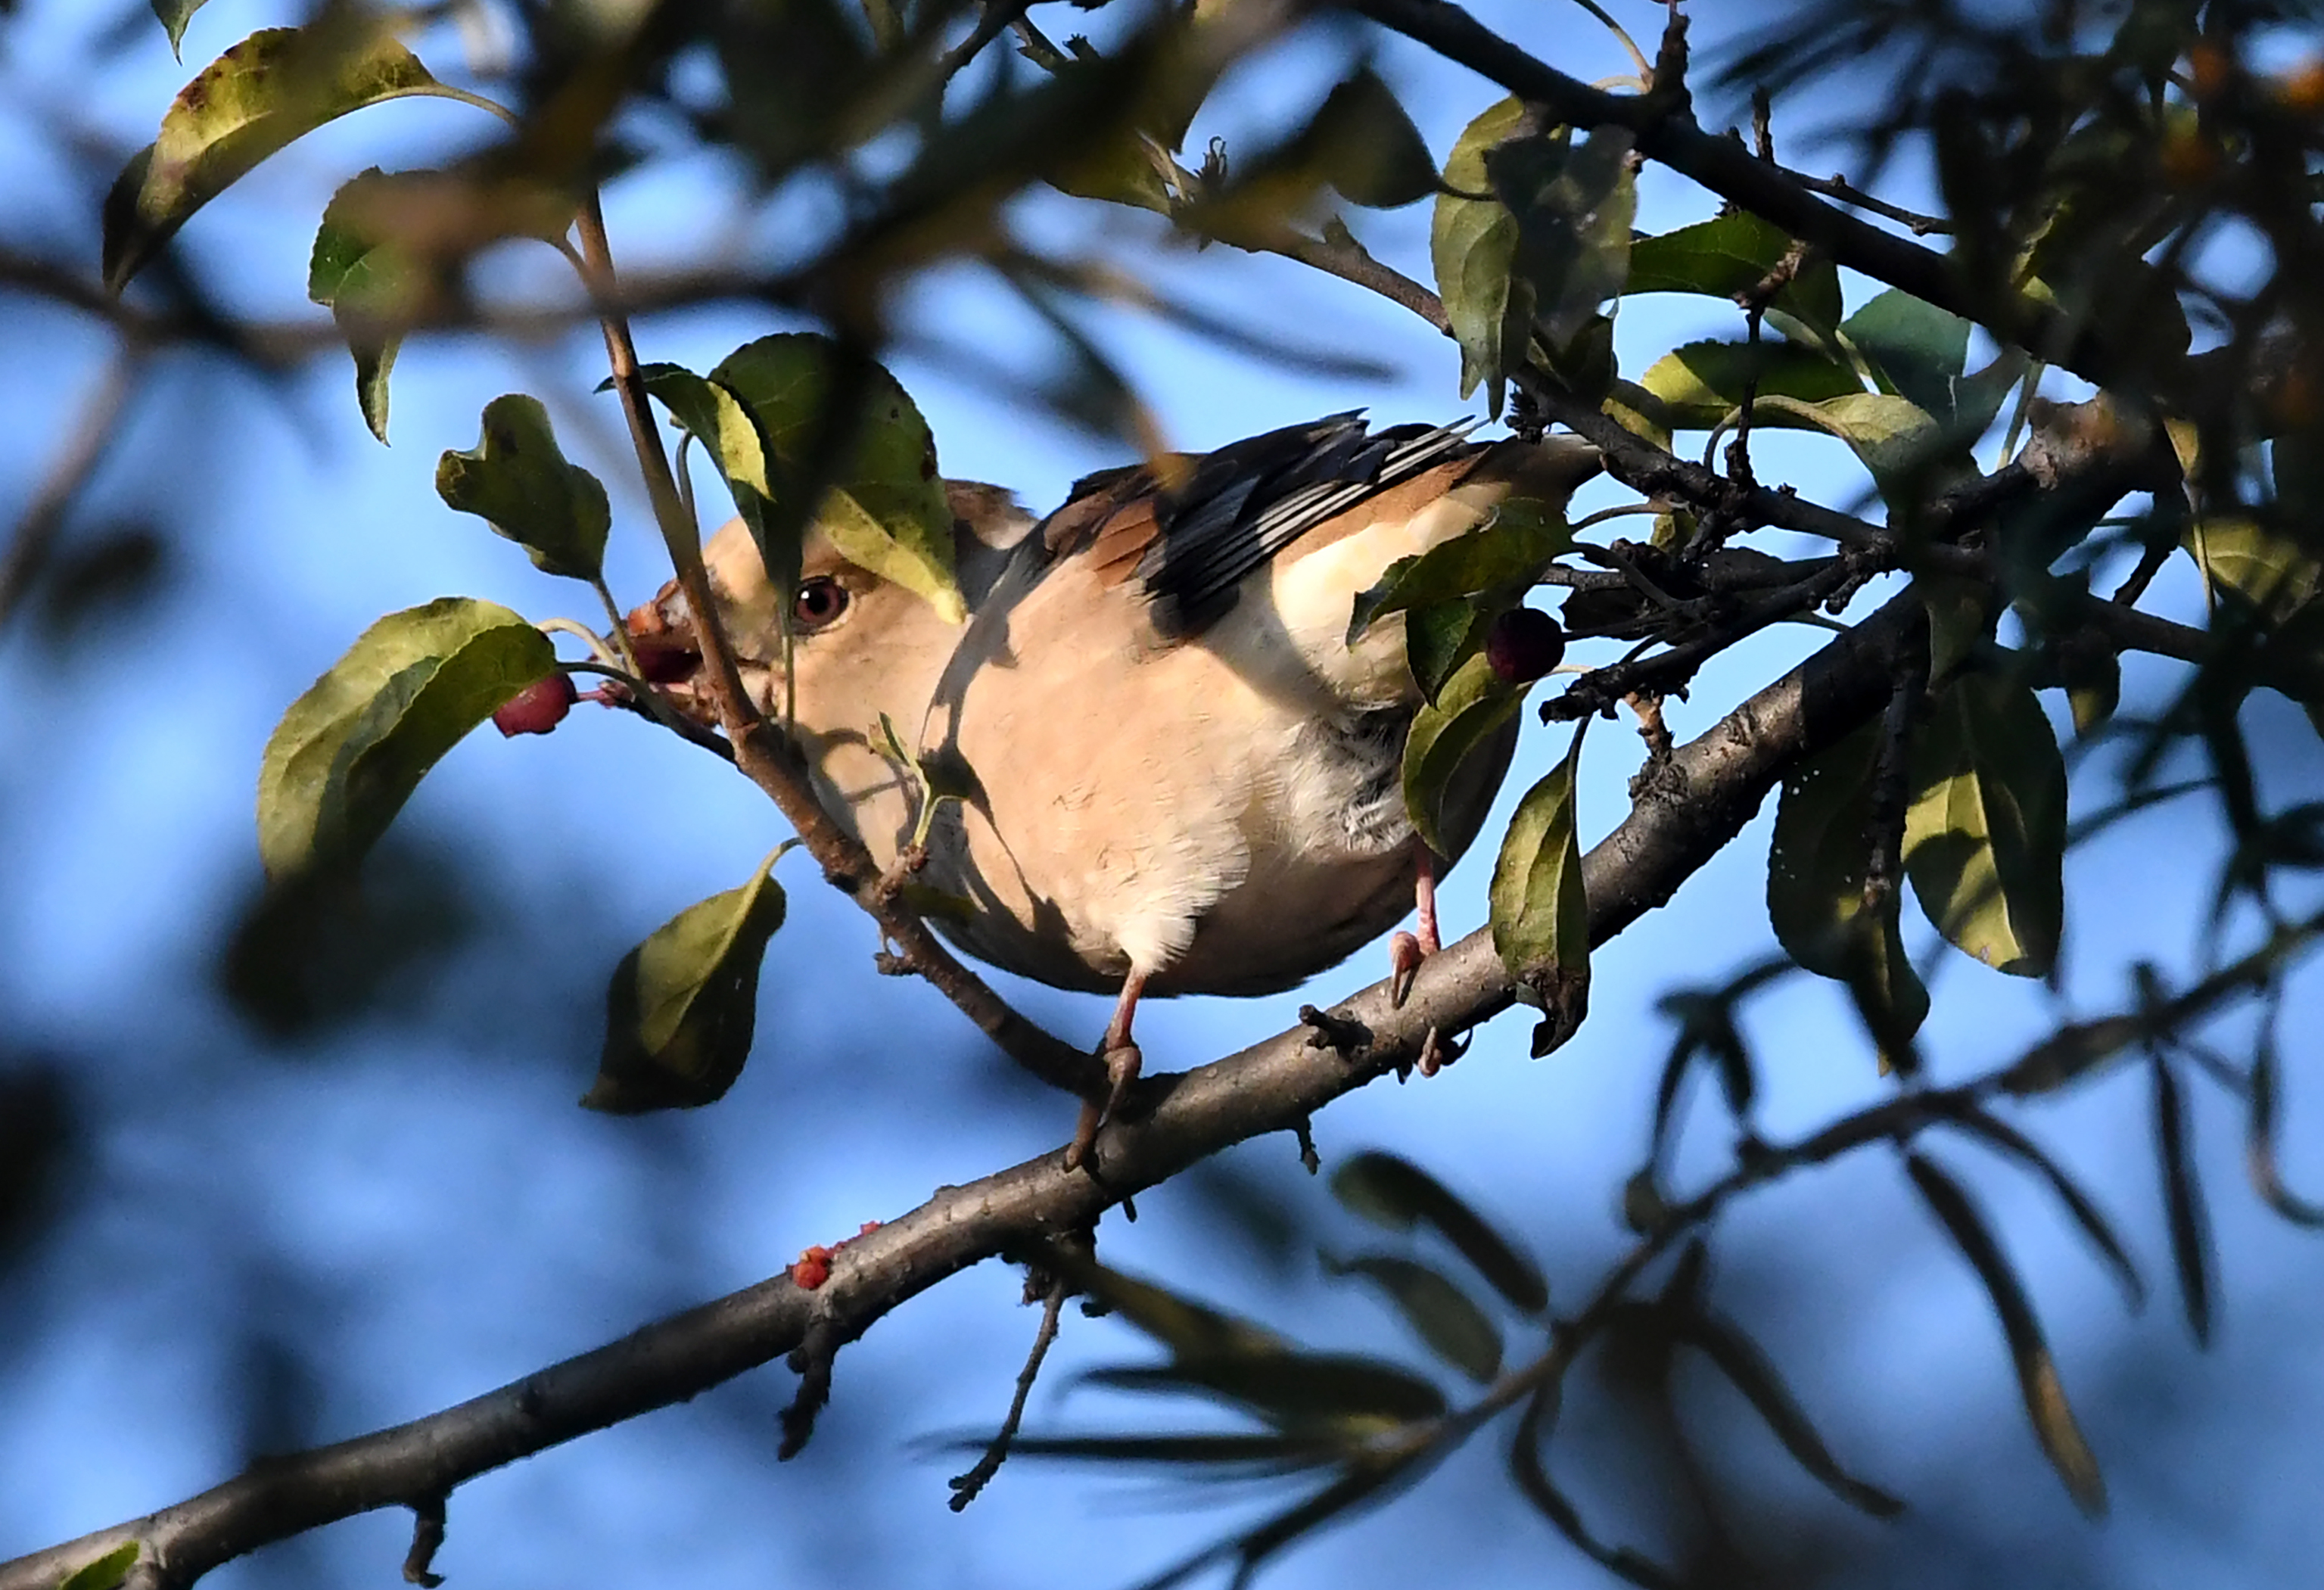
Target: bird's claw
x,y
1404,955
1123,1061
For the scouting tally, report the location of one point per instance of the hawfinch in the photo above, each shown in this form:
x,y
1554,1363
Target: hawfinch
x,y
1177,774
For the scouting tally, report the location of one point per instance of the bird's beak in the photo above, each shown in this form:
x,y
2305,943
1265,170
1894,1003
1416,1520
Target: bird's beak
x,y
669,653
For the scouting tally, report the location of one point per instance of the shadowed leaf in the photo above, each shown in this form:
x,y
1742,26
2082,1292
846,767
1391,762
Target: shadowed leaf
x,y
1440,1313
1509,552
1731,255
349,751
518,481
1528,1468
173,17
2182,1200
1999,1134
683,1006
2037,1372
1817,863
1700,384
1471,709
1740,1360
1271,1452
1473,243
1298,1391
1188,1328
2259,1141
1398,1194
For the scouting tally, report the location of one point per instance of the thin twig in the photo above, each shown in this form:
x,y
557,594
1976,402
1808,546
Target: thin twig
x,y
966,1487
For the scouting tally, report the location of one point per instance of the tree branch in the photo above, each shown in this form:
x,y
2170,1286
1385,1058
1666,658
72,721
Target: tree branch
x,y
1715,784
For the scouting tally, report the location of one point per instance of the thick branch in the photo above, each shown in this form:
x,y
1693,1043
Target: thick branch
x,y
1714,785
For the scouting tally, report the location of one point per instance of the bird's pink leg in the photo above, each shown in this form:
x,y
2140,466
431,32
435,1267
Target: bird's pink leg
x,y
1122,1060
1406,951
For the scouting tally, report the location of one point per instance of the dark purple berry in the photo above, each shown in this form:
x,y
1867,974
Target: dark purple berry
x,y
1523,644
538,707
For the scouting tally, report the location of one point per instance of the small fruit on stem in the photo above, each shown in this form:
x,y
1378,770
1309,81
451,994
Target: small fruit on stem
x,y
1523,645
538,707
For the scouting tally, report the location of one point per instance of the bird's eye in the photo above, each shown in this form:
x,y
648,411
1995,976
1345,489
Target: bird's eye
x,y
819,602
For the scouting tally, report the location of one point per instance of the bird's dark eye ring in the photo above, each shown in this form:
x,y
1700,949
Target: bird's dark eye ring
x,y
819,602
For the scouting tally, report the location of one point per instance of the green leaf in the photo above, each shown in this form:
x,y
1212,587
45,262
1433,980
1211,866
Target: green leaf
x,y
1440,1313
2249,565
385,242
1541,916
1439,637
1984,836
1188,1328
2037,1372
2182,1200
1916,350
1999,1134
1398,1194
1271,1451
1816,869
1292,1391
885,509
1573,204
173,17
109,1570
1472,706
1962,613
1702,384
1473,244
518,481
1898,441
1509,552
682,1006
259,96
2259,1137
1753,1374
350,751
1731,255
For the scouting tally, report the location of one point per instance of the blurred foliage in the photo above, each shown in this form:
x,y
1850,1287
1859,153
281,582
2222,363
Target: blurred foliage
x,y
2104,178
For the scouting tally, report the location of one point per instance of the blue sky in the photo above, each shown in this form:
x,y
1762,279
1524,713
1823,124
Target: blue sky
x,y
422,1209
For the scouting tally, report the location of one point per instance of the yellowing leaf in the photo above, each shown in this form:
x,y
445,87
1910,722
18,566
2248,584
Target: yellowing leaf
x,y
1984,836
1704,383
274,87
683,1006
350,751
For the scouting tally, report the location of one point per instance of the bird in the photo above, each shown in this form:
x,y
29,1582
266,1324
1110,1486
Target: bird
x,y
1175,770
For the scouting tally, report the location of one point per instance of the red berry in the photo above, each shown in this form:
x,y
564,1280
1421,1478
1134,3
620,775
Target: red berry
x,y
1523,644
538,707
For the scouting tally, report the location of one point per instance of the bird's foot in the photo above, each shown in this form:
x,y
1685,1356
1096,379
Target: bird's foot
x,y
1122,1062
1404,954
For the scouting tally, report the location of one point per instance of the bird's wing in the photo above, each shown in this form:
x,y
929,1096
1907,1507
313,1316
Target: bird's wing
x,y
1190,535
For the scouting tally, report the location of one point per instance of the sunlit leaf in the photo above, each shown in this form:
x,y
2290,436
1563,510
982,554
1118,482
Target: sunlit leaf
x,y
2037,1372
1473,707
2182,1200
107,1571
682,1007
1398,1194
884,509
1817,865
1754,1374
272,87
1899,442
518,481
2244,561
1440,1313
1984,836
1704,383
1540,913
350,751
